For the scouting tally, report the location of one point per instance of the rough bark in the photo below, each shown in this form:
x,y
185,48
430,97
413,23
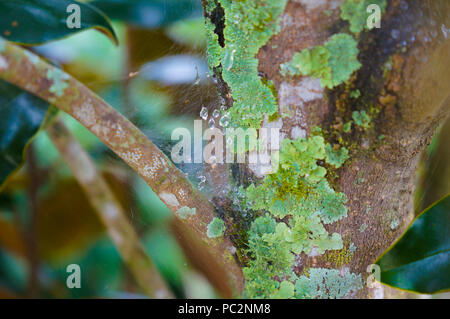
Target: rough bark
x,y
404,77
413,99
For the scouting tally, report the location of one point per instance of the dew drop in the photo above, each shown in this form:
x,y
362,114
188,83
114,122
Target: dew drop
x,y
211,123
224,121
216,113
204,113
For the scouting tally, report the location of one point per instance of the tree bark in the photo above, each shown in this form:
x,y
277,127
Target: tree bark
x,y
413,98
404,77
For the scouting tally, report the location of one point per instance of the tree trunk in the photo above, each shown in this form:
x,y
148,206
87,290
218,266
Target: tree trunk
x,y
404,78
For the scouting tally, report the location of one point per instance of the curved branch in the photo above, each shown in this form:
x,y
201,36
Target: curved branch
x,y
109,210
29,72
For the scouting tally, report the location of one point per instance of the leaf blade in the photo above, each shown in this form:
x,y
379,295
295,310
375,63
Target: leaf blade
x,y
420,260
21,117
35,22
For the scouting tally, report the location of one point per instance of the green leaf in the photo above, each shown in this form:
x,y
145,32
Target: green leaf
x,y
420,260
150,13
40,21
21,116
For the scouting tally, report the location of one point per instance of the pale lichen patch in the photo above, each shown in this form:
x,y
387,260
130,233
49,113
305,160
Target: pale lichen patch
x,y
86,114
297,132
58,79
184,212
150,169
312,4
295,96
3,63
34,59
170,199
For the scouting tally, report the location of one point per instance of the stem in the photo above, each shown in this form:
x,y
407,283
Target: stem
x,y
109,210
30,73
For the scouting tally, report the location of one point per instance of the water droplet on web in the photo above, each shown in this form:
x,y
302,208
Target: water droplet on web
x,y
204,113
216,113
211,123
223,107
224,121
201,183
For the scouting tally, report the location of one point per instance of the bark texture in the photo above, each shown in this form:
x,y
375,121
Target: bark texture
x,y
404,79
412,98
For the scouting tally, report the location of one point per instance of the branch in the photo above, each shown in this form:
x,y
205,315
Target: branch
x,y
109,210
30,73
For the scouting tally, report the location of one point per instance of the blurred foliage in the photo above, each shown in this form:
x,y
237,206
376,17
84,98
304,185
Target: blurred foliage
x,y
21,116
420,260
149,13
68,230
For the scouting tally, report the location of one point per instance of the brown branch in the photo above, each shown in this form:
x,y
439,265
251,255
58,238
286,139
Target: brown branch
x,y
109,210
30,73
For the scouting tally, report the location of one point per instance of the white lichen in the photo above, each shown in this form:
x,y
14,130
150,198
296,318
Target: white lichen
x,y
59,81
170,199
185,211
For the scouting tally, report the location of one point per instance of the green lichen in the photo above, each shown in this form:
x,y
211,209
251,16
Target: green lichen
x,y
215,228
214,50
347,127
184,212
248,26
299,186
341,257
361,118
355,94
327,284
286,291
58,79
336,157
333,63
299,194
355,12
